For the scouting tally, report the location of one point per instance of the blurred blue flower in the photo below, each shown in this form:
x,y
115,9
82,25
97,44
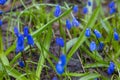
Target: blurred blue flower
x,y
60,42
111,68
88,32
116,36
21,63
1,12
92,46
112,4
89,3
63,60
1,23
68,24
75,9
100,46
96,79
2,2
54,78
16,51
20,43
59,68
112,11
16,31
97,33
30,40
26,31
57,11
112,7
75,22
85,10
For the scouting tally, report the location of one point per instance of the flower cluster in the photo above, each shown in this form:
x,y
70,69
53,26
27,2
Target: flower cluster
x,y
115,35
30,40
93,44
62,61
60,42
111,68
2,2
20,39
1,23
89,3
85,9
21,63
75,23
75,9
54,78
57,11
112,7
61,64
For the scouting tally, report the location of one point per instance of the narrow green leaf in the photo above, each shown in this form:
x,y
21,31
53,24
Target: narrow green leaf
x,y
70,43
44,55
14,73
95,65
90,76
75,74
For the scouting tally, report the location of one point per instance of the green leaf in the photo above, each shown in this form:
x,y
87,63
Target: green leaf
x,y
95,65
90,76
70,43
14,73
75,74
44,55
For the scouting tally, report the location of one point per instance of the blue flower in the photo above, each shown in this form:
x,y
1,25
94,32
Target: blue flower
x,y
20,43
112,7
111,4
97,33
75,22
16,31
100,46
57,11
87,32
54,78
1,12
26,31
60,42
59,68
21,63
92,46
16,51
2,2
112,11
85,10
1,23
96,79
68,24
30,40
116,36
111,68
63,60
75,9
89,3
